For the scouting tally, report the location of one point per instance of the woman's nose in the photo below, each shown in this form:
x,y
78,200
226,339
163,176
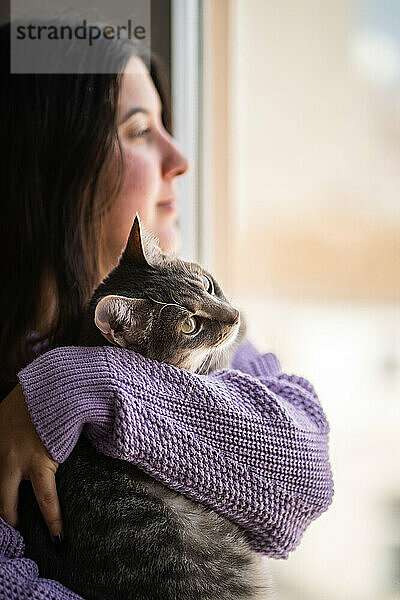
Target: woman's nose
x,y
174,161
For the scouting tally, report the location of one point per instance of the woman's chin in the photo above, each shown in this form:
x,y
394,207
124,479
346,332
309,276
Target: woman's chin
x,y
169,238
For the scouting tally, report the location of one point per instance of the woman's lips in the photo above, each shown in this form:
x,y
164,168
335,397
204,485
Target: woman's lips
x,y
169,204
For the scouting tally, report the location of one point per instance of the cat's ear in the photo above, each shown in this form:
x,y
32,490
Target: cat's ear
x,y
142,248
122,320
134,250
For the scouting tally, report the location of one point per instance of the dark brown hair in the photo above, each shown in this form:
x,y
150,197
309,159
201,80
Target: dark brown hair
x,y
59,136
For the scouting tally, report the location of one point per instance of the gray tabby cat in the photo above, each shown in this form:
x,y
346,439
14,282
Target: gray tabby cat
x,y
127,536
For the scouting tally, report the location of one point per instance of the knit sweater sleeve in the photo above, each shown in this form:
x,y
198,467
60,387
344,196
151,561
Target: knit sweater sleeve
x,y
250,442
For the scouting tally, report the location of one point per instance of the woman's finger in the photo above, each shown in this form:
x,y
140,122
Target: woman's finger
x,y
44,486
9,498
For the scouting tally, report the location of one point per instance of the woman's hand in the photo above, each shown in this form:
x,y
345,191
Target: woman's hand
x,y
23,456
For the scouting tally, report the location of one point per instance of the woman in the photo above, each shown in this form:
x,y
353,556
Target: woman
x,y
87,152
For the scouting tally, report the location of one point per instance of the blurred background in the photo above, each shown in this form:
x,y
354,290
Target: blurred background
x,y
290,114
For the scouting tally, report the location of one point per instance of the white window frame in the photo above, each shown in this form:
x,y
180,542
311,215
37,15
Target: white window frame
x,y
186,94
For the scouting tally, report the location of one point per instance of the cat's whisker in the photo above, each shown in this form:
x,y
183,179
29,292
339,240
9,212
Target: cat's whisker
x,y
201,368
177,304
156,301
218,355
165,304
205,364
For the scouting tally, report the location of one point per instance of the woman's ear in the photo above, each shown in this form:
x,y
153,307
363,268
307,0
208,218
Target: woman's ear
x,y
122,321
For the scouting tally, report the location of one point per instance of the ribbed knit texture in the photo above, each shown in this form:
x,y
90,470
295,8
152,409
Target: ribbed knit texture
x,y
250,442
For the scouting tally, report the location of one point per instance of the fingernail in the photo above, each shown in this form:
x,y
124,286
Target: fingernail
x,y
57,539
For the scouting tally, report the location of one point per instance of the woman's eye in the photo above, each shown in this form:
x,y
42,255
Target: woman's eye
x,y
139,133
208,284
190,326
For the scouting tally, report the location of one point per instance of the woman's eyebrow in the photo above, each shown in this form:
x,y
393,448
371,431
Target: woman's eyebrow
x,y
133,111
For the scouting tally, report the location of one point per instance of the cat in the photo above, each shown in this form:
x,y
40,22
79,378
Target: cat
x,y
127,536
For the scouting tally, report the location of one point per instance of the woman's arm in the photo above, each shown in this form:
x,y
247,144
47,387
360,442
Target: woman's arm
x,y
23,456
253,446
19,578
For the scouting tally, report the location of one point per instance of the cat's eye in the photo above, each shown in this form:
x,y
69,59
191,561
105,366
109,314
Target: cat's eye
x,y
208,284
190,326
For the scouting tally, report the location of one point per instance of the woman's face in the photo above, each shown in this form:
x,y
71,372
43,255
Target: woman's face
x,y
152,162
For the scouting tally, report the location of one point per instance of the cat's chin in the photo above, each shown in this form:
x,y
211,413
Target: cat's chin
x,y
219,357
232,338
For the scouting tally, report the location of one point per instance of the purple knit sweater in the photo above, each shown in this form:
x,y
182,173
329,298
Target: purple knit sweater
x,y
250,442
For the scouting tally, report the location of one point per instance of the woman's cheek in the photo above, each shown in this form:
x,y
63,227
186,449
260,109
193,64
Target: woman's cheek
x,y
137,195
139,188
